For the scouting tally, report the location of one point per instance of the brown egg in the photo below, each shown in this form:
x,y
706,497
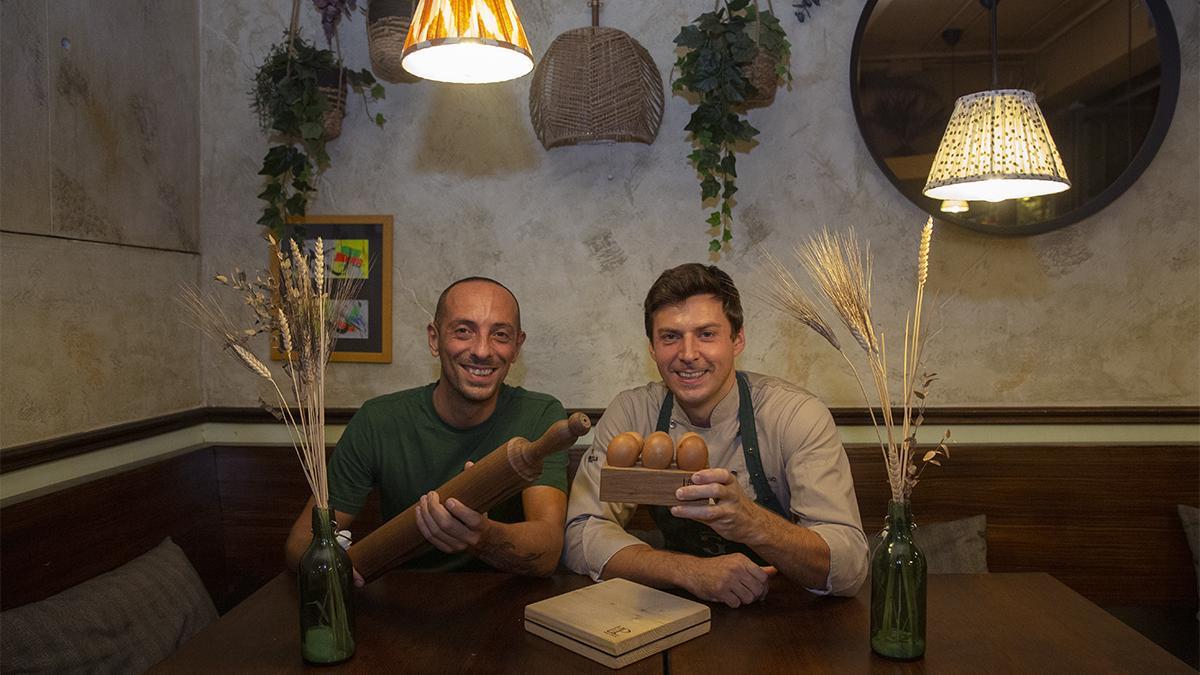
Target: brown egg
x,y
658,451
623,450
692,453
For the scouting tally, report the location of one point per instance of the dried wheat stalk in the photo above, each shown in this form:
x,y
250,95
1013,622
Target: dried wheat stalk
x,y
301,310
840,268
789,297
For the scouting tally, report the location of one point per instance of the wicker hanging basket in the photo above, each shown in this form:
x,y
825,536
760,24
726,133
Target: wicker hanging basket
x,y
333,84
595,84
387,27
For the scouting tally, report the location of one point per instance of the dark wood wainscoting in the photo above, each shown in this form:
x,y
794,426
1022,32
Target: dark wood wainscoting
x,y
262,490
50,543
229,508
1100,518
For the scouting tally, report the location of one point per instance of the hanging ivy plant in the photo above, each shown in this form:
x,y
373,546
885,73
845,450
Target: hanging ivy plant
x,y
719,48
291,107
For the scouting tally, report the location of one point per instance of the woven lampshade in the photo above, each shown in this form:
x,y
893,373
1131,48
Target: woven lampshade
x,y
595,84
388,22
996,147
467,41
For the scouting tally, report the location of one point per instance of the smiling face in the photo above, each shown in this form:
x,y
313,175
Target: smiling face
x,y
693,344
477,337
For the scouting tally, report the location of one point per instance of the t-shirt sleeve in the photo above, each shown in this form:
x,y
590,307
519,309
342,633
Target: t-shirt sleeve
x,y
554,468
351,469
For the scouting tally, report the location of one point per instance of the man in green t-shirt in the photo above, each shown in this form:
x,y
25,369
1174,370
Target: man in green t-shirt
x,y
410,442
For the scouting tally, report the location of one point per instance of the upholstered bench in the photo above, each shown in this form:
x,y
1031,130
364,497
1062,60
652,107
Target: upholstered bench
x,y
123,621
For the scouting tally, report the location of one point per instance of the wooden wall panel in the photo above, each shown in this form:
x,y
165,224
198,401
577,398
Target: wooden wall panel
x,y
262,490
1101,519
51,543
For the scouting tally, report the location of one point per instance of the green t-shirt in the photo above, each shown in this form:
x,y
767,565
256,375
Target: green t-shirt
x,y
399,444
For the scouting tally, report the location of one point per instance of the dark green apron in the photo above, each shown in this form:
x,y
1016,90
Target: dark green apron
x,y
693,537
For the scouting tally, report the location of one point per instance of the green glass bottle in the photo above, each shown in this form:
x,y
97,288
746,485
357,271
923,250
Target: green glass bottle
x,y
898,576
326,596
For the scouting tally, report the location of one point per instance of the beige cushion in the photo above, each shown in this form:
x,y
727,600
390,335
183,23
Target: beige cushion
x,y
954,547
123,621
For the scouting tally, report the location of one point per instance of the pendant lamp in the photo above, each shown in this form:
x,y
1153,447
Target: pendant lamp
x,y
996,146
952,36
595,85
467,42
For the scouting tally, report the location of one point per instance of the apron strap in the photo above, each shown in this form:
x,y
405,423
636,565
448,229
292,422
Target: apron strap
x,y
695,538
664,413
764,495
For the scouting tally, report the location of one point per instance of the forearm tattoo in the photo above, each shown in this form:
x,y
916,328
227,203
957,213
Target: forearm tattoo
x,y
503,556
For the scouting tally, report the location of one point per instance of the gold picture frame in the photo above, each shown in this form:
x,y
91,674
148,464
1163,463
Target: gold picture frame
x,y
356,246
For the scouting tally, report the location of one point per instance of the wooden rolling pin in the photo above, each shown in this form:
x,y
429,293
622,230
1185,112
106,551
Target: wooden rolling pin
x,y
503,473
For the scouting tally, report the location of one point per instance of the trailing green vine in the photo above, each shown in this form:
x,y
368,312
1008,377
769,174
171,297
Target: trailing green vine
x,y
718,47
291,109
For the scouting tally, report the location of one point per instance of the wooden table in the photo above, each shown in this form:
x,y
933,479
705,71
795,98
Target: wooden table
x,y
977,623
416,622
406,622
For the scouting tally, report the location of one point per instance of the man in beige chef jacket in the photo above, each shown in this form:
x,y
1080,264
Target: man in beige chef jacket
x,y
782,497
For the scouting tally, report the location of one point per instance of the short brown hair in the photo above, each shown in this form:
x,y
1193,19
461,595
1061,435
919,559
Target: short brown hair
x,y
680,283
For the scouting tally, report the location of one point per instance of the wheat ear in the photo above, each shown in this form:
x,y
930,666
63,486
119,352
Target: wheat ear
x,y
250,361
840,270
913,346
285,332
785,294
319,260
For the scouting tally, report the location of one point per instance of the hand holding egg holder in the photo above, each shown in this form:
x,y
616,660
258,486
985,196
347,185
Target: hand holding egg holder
x,y
652,480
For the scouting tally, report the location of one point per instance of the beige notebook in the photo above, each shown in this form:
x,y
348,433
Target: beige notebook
x,y
617,622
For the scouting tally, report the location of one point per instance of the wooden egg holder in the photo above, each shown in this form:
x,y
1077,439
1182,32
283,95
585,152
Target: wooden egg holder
x,y
639,485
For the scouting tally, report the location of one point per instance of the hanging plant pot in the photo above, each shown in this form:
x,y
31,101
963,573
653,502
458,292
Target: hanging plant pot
x,y
763,73
387,27
332,83
764,79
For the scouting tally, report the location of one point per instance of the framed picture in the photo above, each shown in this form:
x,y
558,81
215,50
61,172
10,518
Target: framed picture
x,y
356,247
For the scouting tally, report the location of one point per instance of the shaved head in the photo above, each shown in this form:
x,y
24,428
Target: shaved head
x,y
439,314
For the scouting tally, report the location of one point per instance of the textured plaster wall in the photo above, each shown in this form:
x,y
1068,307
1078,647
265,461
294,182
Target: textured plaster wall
x,y
99,173
1103,312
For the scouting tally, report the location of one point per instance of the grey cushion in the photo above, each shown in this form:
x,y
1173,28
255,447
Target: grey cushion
x,y
1190,516
954,547
123,621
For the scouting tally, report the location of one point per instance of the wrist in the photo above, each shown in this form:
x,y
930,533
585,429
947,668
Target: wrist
x,y
756,528
683,572
489,533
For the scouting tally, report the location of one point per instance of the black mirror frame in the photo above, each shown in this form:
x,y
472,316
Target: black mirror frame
x,y
1168,42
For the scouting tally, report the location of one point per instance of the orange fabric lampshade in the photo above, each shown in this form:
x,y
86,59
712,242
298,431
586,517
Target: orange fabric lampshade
x,y
467,41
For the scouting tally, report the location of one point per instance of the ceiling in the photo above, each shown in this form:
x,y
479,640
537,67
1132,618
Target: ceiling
x,y
913,28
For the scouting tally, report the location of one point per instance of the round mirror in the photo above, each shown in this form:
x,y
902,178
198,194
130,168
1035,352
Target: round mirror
x,y
1105,73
